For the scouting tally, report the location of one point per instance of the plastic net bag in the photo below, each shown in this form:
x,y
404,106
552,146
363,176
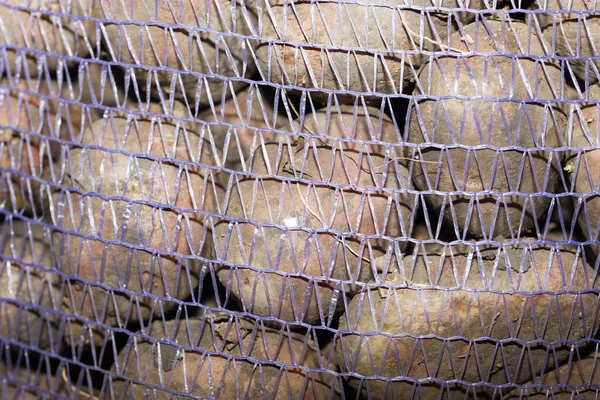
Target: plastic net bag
x,y
290,200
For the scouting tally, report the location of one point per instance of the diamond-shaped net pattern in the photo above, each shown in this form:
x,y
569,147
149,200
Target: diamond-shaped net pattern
x,y
320,199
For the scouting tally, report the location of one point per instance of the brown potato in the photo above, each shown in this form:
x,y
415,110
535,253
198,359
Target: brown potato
x,y
329,35
29,289
583,165
19,383
498,318
33,114
147,367
489,114
581,372
140,250
571,33
27,30
307,184
322,45
235,126
200,51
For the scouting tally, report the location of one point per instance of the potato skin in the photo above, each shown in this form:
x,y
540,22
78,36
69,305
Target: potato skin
x,y
340,28
584,165
581,371
502,123
61,36
433,310
19,383
280,197
243,123
154,224
196,49
567,33
188,371
29,293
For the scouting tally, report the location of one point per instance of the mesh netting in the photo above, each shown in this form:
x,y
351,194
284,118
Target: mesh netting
x,y
299,199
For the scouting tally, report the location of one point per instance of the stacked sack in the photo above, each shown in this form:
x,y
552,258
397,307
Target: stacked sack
x,y
279,199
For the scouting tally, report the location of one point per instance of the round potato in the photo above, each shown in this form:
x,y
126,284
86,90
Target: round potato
x,y
318,213
570,29
209,41
24,33
29,289
269,363
492,316
131,219
488,139
240,120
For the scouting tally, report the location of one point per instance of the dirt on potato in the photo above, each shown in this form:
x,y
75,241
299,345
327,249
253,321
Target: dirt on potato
x,y
487,140
30,288
209,41
133,229
276,364
289,250
30,33
490,317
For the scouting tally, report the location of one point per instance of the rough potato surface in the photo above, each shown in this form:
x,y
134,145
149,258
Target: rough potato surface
x,y
583,165
30,291
132,222
484,316
145,363
193,47
36,29
570,34
326,42
318,183
503,107
239,121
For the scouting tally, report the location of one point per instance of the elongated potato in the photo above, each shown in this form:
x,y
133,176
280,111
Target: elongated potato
x,y
178,356
208,42
317,46
581,373
25,32
369,48
132,221
239,121
29,289
570,28
583,164
466,144
316,218
493,316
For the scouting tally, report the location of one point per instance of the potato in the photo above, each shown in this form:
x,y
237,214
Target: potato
x,y
490,115
581,373
306,184
583,165
570,29
238,121
320,45
179,52
180,356
135,258
29,289
19,383
29,31
496,318
101,85
32,116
